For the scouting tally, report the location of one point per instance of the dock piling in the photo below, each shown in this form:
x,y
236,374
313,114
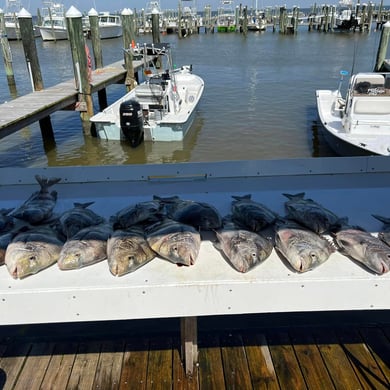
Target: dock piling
x,y
7,56
80,66
128,38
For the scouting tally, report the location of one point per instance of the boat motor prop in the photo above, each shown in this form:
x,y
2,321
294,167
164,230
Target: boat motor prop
x,y
132,121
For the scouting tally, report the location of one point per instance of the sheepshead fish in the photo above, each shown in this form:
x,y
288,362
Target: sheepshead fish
x,y
365,248
137,213
5,239
200,215
32,251
384,234
6,221
78,218
174,241
309,213
302,248
39,206
88,246
128,250
250,214
243,249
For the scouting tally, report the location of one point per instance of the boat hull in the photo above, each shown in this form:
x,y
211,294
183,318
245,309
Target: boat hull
x,y
53,34
363,141
162,132
108,32
158,126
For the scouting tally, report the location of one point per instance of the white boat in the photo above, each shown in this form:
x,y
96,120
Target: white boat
x,y
160,109
53,26
226,18
110,25
11,21
359,123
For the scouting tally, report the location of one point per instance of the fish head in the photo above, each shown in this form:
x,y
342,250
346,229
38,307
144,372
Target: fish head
x,y
244,259
24,259
125,259
181,248
378,260
76,254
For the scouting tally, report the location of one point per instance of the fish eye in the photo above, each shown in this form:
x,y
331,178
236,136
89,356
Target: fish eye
x,y
32,258
130,258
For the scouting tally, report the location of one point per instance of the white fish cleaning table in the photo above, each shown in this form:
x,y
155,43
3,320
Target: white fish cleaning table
x,y
355,187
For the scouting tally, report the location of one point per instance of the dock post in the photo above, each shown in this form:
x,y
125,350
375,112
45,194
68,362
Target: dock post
x,y
31,55
30,49
189,343
128,27
155,26
93,17
382,49
7,56
80,66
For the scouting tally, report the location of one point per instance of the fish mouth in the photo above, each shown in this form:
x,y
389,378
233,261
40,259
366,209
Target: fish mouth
x,y
385,267
14,273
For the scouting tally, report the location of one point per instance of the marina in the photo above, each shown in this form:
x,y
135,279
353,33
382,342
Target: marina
x,y
256,131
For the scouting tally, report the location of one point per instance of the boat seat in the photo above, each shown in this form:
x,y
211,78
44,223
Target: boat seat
x,y
149,91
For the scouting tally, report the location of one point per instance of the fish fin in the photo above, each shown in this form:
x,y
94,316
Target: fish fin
x,y
83,205
244,197
385,220
45,183
300,195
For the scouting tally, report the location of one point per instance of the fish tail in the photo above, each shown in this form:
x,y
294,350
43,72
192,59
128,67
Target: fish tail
x,y
45,183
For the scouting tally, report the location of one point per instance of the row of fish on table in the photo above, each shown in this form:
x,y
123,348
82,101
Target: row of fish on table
x,y
33,237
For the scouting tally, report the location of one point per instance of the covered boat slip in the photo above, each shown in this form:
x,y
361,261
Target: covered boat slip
x,y
355,187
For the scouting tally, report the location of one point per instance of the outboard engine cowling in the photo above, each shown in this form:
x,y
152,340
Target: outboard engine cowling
x,y
132,121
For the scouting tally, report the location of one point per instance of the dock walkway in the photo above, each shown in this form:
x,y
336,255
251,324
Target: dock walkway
x,y
27,109
293,357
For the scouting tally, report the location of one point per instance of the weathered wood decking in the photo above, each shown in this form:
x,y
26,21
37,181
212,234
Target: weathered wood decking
x,y
301,357
24,110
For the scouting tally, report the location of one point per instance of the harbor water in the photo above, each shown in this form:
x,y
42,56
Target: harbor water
x,y
259,99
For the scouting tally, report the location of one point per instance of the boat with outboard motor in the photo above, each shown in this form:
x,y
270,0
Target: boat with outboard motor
x,y
162,108
359,123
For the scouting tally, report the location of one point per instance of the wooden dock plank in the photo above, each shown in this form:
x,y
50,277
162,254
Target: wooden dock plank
x,y
310,361
210,363
379,346
337,363
260,363
12,361
60,366
235,365
364,364
108,370
160,363
32,107
285,362
35,367
135,364
84,367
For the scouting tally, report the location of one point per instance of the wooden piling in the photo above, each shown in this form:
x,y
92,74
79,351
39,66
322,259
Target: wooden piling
x,y
155,26
93,17
382,49
128,28
30,49
7,56
80,66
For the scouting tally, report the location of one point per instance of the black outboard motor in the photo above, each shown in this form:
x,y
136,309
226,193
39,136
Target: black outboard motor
x,y
132,121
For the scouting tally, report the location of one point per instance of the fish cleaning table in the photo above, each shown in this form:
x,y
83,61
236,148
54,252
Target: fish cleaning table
x,y
354,187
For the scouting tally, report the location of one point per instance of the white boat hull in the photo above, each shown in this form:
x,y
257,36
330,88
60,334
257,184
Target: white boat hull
x,y
108,32
164,127
360,126
53,34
